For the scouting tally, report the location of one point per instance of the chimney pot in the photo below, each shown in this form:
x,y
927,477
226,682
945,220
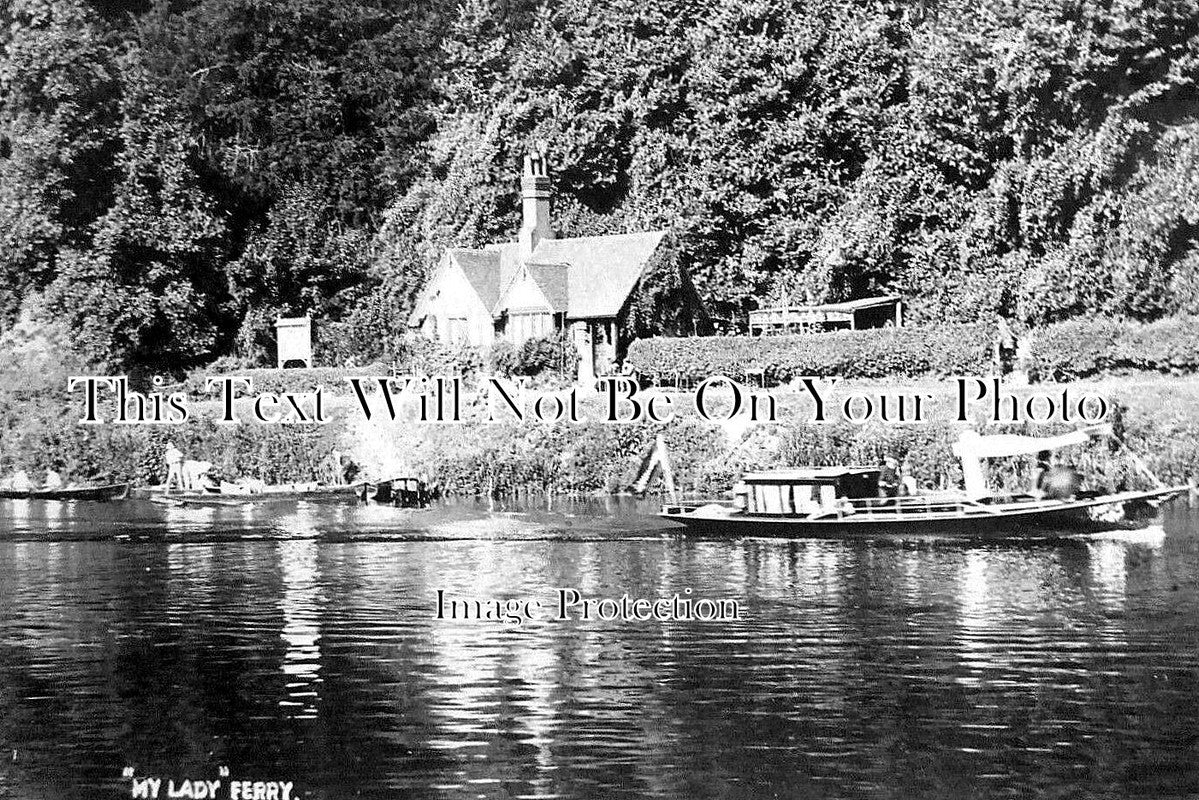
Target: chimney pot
x,y
536,193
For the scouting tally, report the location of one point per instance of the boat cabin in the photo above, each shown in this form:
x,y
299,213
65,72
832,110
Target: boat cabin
x,y
805,490
401,492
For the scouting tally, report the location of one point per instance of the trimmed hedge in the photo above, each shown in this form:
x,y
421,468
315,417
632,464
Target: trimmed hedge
x,y
1087,347
950,349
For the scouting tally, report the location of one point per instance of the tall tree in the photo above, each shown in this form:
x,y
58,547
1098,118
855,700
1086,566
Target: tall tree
x,y
58,107
147,292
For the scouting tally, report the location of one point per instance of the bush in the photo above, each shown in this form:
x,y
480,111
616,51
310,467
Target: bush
x,y
418,355
551,354
504,358
875,353
1087,347
554,356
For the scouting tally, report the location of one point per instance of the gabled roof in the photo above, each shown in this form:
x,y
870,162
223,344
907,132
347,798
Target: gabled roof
x,y
603,269
482,269
554,280
550,279
584,277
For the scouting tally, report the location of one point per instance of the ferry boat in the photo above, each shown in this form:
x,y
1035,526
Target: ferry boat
x,y
844,501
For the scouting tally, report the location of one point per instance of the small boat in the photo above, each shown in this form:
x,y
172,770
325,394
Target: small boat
x,y
96,493
400,492
193,499
234,494
843,502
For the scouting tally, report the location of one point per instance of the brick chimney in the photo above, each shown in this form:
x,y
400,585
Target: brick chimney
x,y
535,201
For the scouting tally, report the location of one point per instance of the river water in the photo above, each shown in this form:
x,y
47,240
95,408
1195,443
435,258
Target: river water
x,y
300,643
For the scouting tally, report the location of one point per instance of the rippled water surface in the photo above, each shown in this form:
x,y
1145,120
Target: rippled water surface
x,y
299,642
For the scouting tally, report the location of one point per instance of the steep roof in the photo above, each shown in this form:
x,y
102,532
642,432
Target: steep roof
x,y
603,269
482,269
585,277
554,280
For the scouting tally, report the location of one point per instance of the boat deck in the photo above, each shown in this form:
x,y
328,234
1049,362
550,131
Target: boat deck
x,y
940,509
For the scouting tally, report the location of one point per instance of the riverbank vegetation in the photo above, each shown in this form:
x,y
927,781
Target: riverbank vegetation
x,y
1157,421
39,430
1086,348
940,350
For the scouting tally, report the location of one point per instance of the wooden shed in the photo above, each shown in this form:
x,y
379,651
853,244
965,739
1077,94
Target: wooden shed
x,y
294,337
869,312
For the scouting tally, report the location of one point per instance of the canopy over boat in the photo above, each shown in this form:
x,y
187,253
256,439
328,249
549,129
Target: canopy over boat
x,y
972,448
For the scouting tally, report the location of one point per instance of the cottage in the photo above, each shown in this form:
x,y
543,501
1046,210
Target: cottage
x,y
540,285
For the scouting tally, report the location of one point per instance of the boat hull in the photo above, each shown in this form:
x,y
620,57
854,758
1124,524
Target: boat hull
x,y
100,494
268,494
1034,520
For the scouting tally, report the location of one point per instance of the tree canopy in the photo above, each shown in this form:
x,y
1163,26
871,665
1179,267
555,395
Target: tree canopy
x,y
175,172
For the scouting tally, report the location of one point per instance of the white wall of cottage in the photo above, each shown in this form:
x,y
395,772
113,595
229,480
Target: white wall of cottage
x,y
451,308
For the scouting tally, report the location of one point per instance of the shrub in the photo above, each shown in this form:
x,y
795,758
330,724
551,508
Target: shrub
x,y
537,357
875,353
503,358
422,356
1086,347
553,354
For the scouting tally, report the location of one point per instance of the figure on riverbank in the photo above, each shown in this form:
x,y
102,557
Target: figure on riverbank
x,y
196,475
20,481
338,469
174,458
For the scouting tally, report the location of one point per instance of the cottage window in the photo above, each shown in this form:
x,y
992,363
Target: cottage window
x,y
525,325
456,330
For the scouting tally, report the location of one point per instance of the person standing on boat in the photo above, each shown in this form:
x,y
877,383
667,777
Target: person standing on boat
x,y
908,486
1040,474
174,458
53,480
888,478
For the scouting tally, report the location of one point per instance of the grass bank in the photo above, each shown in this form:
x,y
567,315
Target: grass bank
x,y
39,431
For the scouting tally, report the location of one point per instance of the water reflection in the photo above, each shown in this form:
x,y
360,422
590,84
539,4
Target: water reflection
x,y
301,642
301,604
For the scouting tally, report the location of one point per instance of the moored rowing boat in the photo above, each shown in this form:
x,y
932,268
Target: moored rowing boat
x,y
230,494
97,493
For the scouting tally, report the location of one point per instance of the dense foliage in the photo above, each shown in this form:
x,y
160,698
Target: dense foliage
x,y
175,172
553,357
1087,347
949,349
39,430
